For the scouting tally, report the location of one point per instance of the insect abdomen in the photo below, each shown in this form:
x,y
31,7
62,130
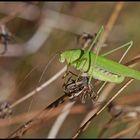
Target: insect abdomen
x,y
104,75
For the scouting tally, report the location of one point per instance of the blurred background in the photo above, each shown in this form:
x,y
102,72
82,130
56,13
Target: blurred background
x,y
40,30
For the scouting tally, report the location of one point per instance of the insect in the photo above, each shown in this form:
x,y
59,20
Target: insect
x,y
104,69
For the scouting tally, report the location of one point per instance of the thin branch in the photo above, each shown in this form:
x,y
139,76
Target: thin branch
x,y
25,127
38,89
112,20
77,109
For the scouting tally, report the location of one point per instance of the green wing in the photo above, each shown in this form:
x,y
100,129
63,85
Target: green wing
x,y
115,67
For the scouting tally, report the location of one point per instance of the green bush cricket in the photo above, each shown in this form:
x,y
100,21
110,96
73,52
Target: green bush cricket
x,y
98,67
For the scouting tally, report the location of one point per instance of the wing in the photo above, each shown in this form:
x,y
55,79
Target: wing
x,y
115,67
